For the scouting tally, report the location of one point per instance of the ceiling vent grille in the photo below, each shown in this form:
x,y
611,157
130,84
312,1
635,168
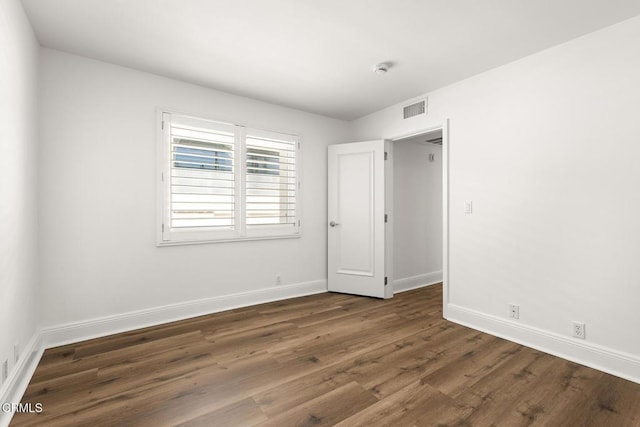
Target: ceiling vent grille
x,y
415,109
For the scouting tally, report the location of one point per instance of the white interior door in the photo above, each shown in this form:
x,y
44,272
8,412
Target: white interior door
x,y
356,219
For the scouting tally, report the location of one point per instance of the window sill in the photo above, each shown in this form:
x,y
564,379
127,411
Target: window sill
x,y
163,243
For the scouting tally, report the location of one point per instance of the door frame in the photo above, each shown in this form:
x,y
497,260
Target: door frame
x,y
444,126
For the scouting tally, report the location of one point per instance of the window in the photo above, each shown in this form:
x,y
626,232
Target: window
x,y
226,182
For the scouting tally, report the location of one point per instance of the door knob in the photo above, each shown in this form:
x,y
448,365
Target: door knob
x,y
333,223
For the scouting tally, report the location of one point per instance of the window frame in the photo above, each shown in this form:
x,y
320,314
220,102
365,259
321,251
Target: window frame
x,y
165,236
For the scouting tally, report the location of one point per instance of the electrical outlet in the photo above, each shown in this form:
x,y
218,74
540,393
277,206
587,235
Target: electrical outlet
x,y
5,370
514,311
16,352
278,279
579,330
468,207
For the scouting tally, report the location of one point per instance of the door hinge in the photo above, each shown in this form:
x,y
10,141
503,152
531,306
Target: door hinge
x,y
386,218
386,280
163,228
298,223
163,125
386,155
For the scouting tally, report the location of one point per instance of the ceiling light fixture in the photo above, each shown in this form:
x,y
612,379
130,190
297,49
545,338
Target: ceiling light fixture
x,y
381,68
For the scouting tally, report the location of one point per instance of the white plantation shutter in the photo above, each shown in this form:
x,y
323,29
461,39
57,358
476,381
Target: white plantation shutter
x,y
200,178
226,182
271,180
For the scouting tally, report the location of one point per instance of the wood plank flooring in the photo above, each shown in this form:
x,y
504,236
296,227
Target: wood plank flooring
x,y
328,359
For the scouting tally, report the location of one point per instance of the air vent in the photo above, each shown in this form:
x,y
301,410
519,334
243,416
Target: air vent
x,y
415,109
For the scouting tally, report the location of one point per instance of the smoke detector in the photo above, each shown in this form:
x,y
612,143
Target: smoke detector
x,y
381,68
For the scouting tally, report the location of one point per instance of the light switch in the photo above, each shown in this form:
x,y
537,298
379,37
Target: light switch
x,y
468,207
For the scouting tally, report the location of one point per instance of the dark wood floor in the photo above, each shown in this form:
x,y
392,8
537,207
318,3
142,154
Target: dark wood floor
x,y
322,360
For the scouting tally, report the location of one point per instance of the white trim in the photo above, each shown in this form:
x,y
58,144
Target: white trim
x,y
389,289
160,176
415,282
226,120
604,359
13,389
445,218
444,126
94,328
245,239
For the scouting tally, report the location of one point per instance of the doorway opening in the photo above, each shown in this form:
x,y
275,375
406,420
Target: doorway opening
x,y
361,214
420,206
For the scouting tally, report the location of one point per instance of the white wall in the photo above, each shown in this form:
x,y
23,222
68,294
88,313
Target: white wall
x,y
547,148
99,195
18,179
417,212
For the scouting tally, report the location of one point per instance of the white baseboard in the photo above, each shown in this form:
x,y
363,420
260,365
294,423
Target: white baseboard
x,y
604,359
13,389
94,328
414,282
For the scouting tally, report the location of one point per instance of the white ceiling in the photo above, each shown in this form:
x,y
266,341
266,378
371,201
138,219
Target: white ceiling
x,y
316,55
